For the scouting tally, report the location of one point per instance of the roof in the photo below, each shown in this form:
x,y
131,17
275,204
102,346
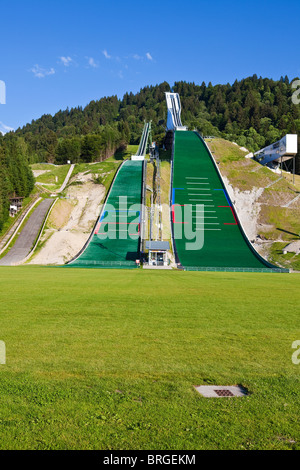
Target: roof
x,y
157,245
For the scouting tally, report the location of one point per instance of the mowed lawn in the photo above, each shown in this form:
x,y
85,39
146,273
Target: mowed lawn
x,y
107,359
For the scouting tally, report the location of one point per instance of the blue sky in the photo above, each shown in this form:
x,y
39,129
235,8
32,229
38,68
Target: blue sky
x,y
63,53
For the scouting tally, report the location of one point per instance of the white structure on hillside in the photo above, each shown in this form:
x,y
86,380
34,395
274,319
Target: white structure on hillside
x,y
174,113
281,151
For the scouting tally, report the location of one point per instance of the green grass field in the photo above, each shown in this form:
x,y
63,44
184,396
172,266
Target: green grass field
x,y
107,359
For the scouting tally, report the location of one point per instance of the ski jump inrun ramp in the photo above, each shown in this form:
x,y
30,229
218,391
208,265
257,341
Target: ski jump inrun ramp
x,y
197,185
114,242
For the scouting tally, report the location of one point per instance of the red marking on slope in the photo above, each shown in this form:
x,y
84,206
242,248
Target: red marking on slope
x,y
231,223
173,214
236,222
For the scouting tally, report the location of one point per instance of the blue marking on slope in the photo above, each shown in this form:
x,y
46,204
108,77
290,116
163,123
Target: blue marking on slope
x,y
225,193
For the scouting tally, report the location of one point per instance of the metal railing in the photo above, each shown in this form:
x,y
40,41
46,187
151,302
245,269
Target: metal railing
x,y
144,140
237,270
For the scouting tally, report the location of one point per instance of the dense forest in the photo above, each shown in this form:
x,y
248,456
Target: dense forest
x,y
15,173
252,112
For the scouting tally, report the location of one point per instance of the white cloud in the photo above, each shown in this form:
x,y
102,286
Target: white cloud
x,y
91,62
4,128
137,57
66,61
106,55
142,57
40,72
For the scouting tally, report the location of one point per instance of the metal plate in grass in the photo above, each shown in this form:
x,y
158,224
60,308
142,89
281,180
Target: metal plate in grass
x,y
224,393
219,391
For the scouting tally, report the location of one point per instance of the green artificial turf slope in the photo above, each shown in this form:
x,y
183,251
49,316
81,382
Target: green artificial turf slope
x,y
196,182
115,242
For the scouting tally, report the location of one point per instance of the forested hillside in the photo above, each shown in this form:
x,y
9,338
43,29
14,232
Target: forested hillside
x,y
252,112
15,173
98,130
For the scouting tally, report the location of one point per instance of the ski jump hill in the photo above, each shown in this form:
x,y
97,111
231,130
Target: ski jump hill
x,y
114,242
197,184
200,207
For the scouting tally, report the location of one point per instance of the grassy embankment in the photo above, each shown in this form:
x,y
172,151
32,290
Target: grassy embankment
x,y
53,177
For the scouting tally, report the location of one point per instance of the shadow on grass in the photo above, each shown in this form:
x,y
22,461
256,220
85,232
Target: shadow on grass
x,y
290,233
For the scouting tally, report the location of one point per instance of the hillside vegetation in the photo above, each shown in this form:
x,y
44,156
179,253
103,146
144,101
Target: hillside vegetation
x,y
16,177
252,112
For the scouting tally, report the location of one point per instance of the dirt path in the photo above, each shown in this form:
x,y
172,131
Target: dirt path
x,y
70,222
66,179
